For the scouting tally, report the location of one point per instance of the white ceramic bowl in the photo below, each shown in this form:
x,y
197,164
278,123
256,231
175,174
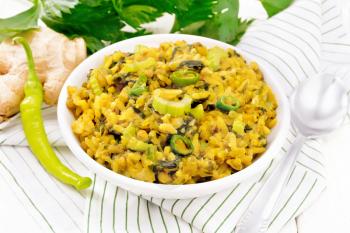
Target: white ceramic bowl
x,y
79,75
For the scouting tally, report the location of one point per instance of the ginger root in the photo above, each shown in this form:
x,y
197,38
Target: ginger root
x,y
55,57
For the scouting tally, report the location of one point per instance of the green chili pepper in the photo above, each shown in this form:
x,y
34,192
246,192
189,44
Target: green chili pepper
x,y
184,77
139,87
181,145
33,127
227,103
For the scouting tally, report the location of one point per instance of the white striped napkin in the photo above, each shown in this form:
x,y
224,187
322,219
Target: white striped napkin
x,y
298,43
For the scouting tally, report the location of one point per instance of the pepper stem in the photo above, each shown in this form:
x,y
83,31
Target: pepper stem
x,y
30,60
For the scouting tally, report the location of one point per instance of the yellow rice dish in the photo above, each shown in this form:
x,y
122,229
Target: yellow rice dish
x,y
178,114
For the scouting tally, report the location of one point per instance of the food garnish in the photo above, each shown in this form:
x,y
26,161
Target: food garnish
x,y
197,112
172,107
184,77
227,103
181,145
139,86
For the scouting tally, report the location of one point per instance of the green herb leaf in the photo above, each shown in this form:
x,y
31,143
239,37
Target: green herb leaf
x,y
54,8
24,21
224,25
92,43
191,11
96,21
273,7
136,15
242,28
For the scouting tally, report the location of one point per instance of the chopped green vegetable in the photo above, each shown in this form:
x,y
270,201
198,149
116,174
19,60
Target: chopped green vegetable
x,y
227,103
215,55
151,153
129,135
169,94
184,77
21,22
139,87
181,145
137,145
129,131
95,86
197,112
139,66
238,126
273,7
174,108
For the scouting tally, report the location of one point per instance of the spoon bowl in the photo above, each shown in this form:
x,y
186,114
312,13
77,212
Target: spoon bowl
x,y
319,105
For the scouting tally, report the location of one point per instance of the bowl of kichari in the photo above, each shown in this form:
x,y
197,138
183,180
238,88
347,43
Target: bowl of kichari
x,y
173,116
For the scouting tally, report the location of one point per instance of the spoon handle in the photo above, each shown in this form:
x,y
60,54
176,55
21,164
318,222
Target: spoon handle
x,y
257,217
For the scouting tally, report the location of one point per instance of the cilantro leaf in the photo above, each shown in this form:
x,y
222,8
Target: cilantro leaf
x,y
23,21
273,7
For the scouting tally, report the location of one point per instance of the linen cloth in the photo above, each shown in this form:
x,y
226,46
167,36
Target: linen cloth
x,y
290,45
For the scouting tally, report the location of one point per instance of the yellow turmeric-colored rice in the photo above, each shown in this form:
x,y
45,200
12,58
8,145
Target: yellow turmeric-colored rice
x,y
178,114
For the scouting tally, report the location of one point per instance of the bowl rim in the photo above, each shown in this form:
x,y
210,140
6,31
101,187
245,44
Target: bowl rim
x,y
166,190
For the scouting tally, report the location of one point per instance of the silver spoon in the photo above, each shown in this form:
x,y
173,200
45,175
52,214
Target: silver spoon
x,y
318,106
